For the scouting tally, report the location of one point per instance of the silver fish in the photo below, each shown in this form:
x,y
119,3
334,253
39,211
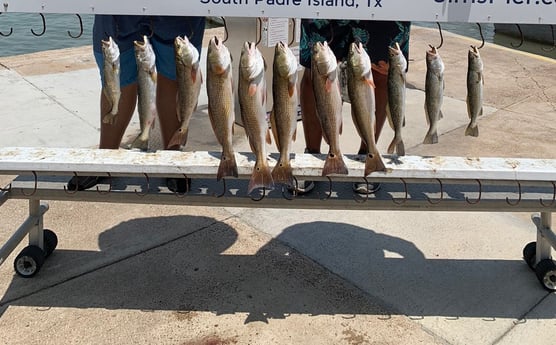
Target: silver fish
x,y
475,82
284,111
189,80
326,87
252,103
146,91
396,97
111,73
221,103
361,92
434,93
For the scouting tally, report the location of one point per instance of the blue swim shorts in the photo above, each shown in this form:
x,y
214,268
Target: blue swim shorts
x,y
162,31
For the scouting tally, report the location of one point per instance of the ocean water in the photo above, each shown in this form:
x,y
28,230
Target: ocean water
x,y
56,36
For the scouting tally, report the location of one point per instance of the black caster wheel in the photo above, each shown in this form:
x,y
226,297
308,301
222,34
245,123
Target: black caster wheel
x,y
546,272
530,254
29,261
50,241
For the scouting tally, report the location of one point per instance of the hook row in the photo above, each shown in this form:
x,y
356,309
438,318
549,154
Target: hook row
x,y
42,31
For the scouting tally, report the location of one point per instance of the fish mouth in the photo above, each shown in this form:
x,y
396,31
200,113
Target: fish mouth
x,y
474,50
433,51
140,44
109,42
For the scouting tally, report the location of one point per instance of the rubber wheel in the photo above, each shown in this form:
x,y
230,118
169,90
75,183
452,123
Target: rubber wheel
x,y
546,272
50,241
530,254
29,261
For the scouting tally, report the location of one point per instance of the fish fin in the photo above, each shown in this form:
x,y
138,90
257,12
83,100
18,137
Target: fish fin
x,y
153,75
334,164
328,85
291,88
261,177
194,72
397,146
294,136
274,129
233,128
403,123
373,162
481,112
400,148
341,127
227,167
431,138
140,143
389,116
468,108
369,79
268,138
252,89
427,116
179,138
472,131
283,172
440,115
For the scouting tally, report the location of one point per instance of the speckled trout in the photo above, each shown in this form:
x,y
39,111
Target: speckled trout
x,y
146,91
189,79
362,98
111,73
221,104
434,93
396,97
252,102
475,82
284,109
326,87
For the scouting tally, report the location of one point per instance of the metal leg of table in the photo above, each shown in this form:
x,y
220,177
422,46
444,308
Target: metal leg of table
x,y
36,236
546,239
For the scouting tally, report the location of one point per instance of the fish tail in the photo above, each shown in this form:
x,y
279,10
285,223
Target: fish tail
x,y
261,177
400,148
140,143
109,119
283,172
179,138
397,145
373,162
472,130
227,167
431,138
334,164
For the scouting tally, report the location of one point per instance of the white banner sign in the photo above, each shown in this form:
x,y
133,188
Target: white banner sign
x,y
476,11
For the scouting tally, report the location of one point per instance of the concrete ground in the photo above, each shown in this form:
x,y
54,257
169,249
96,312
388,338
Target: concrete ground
x,y
190,275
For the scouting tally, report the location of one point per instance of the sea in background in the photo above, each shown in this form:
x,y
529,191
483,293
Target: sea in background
x,y
22,41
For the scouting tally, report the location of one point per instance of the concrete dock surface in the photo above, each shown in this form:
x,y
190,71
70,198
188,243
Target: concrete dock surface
x,y
151,274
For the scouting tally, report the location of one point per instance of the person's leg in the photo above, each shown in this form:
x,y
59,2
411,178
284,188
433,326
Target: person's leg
x,y
111,134
166,91
311,125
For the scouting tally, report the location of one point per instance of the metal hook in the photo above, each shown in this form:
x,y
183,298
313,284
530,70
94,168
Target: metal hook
x,y
441,36
293,31
224,189
76,185
35,188
80,28
329,190
262,197
109,186
225,30
482,36
519,199
553,40
405,190
553,197
359,199
148,186
6,189
479,197
521,37
182,195
441,194
260,34
43,27
8,34
294,190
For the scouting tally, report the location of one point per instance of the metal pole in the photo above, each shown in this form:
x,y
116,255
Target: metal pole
x,y
546,239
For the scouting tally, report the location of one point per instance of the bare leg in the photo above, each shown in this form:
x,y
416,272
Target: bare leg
x,y
311,124
111,134
166,93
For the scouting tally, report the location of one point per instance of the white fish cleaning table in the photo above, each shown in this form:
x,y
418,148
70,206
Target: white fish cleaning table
x,y
410,183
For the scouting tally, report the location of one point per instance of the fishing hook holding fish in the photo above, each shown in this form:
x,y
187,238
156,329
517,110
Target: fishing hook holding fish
x,y
476,201
520,36
482,36
441,36
43,27
518,199
67,190
553,40
553,197
405,191
329,194
226,35
104,192
262,197
441,194
34,188
148,186
80,28
359,199
224,189
293,31
8,34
